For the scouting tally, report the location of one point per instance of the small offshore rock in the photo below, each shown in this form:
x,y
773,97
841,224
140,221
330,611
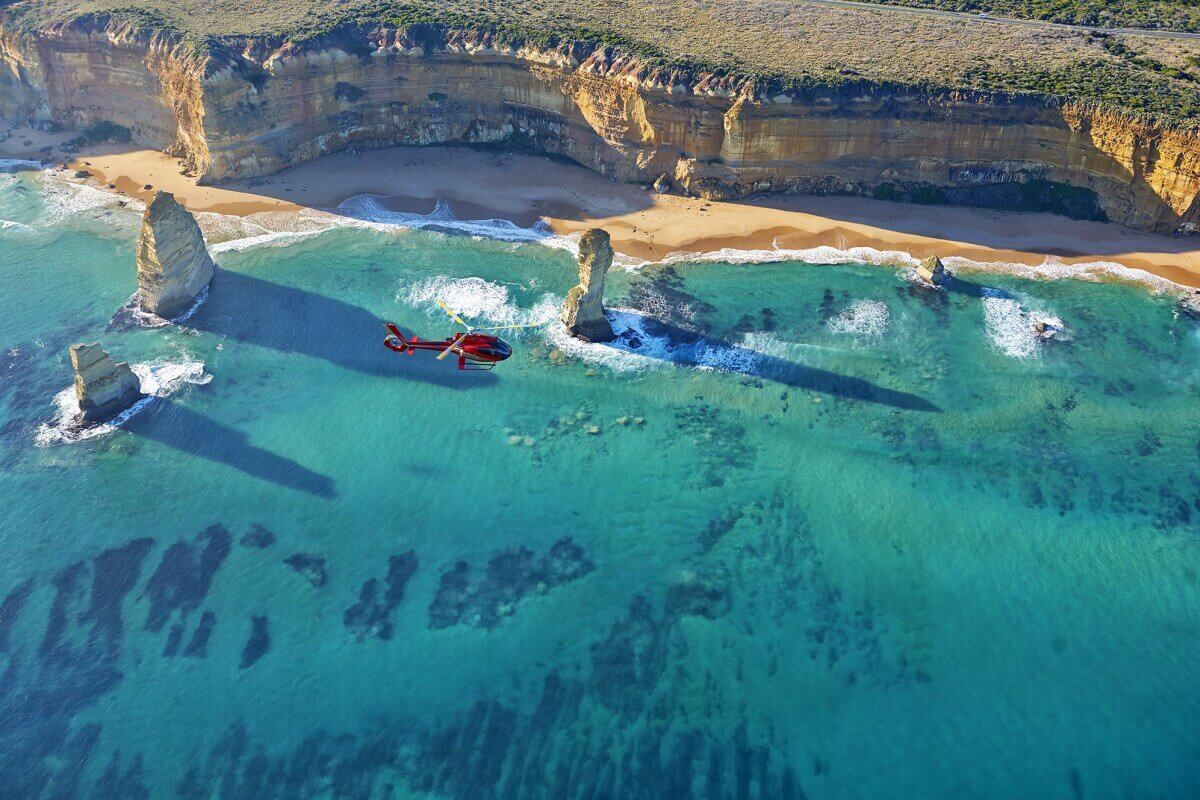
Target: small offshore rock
x,y
82,173
932,271
103,387
173,264
583,311
310,566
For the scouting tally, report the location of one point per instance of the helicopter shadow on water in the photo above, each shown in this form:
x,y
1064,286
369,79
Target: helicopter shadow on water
x,y
292,320
695,349
285,319
181,428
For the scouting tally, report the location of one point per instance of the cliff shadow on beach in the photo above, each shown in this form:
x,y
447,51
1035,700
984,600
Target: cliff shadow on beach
x,y
181,428
656,338
292,320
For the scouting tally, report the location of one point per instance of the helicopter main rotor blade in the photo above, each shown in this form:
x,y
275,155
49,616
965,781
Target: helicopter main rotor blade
x,y
452,347
453,314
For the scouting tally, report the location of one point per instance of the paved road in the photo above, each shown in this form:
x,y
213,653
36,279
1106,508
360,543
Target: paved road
x,y
1031,23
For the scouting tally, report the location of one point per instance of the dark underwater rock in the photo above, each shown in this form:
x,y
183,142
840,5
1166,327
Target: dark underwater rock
x,y
258,644
75,664
372,614
258,537
121,784
10,609
310,566
510,576
198,646
184,576
174,639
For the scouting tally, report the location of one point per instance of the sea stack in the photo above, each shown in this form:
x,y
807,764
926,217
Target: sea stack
x,y
103,387
932,271
173,264
583,312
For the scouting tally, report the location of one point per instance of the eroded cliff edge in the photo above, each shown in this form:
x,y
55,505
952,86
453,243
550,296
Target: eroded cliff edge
x,y
252,106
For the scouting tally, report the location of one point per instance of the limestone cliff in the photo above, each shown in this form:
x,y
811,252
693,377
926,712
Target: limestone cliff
x,y
103,387
253,106
583,311
173,264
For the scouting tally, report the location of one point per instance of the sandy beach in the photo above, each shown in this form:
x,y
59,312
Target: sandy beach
x,y
523,188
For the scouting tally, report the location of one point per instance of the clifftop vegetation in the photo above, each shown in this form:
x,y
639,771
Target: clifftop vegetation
x,y
786,42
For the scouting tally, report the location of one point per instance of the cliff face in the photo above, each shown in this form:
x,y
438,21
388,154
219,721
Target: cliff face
x,y
257,106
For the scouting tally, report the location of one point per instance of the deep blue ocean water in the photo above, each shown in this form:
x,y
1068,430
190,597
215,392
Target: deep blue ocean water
x,y
805,531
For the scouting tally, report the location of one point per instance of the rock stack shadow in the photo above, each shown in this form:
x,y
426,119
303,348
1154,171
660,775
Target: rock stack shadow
x,y
188,431
688,348
292,320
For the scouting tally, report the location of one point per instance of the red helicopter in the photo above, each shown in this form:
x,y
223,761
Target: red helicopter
x,y
476,351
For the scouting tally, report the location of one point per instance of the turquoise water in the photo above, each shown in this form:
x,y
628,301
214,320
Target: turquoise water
x,y
863,540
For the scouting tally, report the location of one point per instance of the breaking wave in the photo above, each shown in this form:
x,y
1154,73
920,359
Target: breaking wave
x,y
131,315
367,209
158,379
864,319
9,225
1011,329
229,233
66,201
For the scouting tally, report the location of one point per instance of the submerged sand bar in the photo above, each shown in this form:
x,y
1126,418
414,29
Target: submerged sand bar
x,y
523,188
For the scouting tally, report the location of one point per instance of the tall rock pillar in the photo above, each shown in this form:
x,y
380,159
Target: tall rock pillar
x,y
583,312
173,264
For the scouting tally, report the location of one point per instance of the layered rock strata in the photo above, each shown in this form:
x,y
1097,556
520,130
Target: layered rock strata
x,y
583,311
252,106
103,387
932,271
173,264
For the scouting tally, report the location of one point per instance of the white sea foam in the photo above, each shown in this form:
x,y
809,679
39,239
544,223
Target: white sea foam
x,y
366,208
9,225
158,379
131,315
1011,328
1051,268
864,319
227,233
66,201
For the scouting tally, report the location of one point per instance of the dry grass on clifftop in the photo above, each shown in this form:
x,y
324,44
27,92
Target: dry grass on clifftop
x,y
793,39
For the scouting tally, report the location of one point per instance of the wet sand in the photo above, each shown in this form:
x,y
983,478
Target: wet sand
x,y
523,188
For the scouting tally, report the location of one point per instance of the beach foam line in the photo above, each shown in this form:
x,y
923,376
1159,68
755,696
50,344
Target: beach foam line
x,y
366,208
158,379
1051,268
232,233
